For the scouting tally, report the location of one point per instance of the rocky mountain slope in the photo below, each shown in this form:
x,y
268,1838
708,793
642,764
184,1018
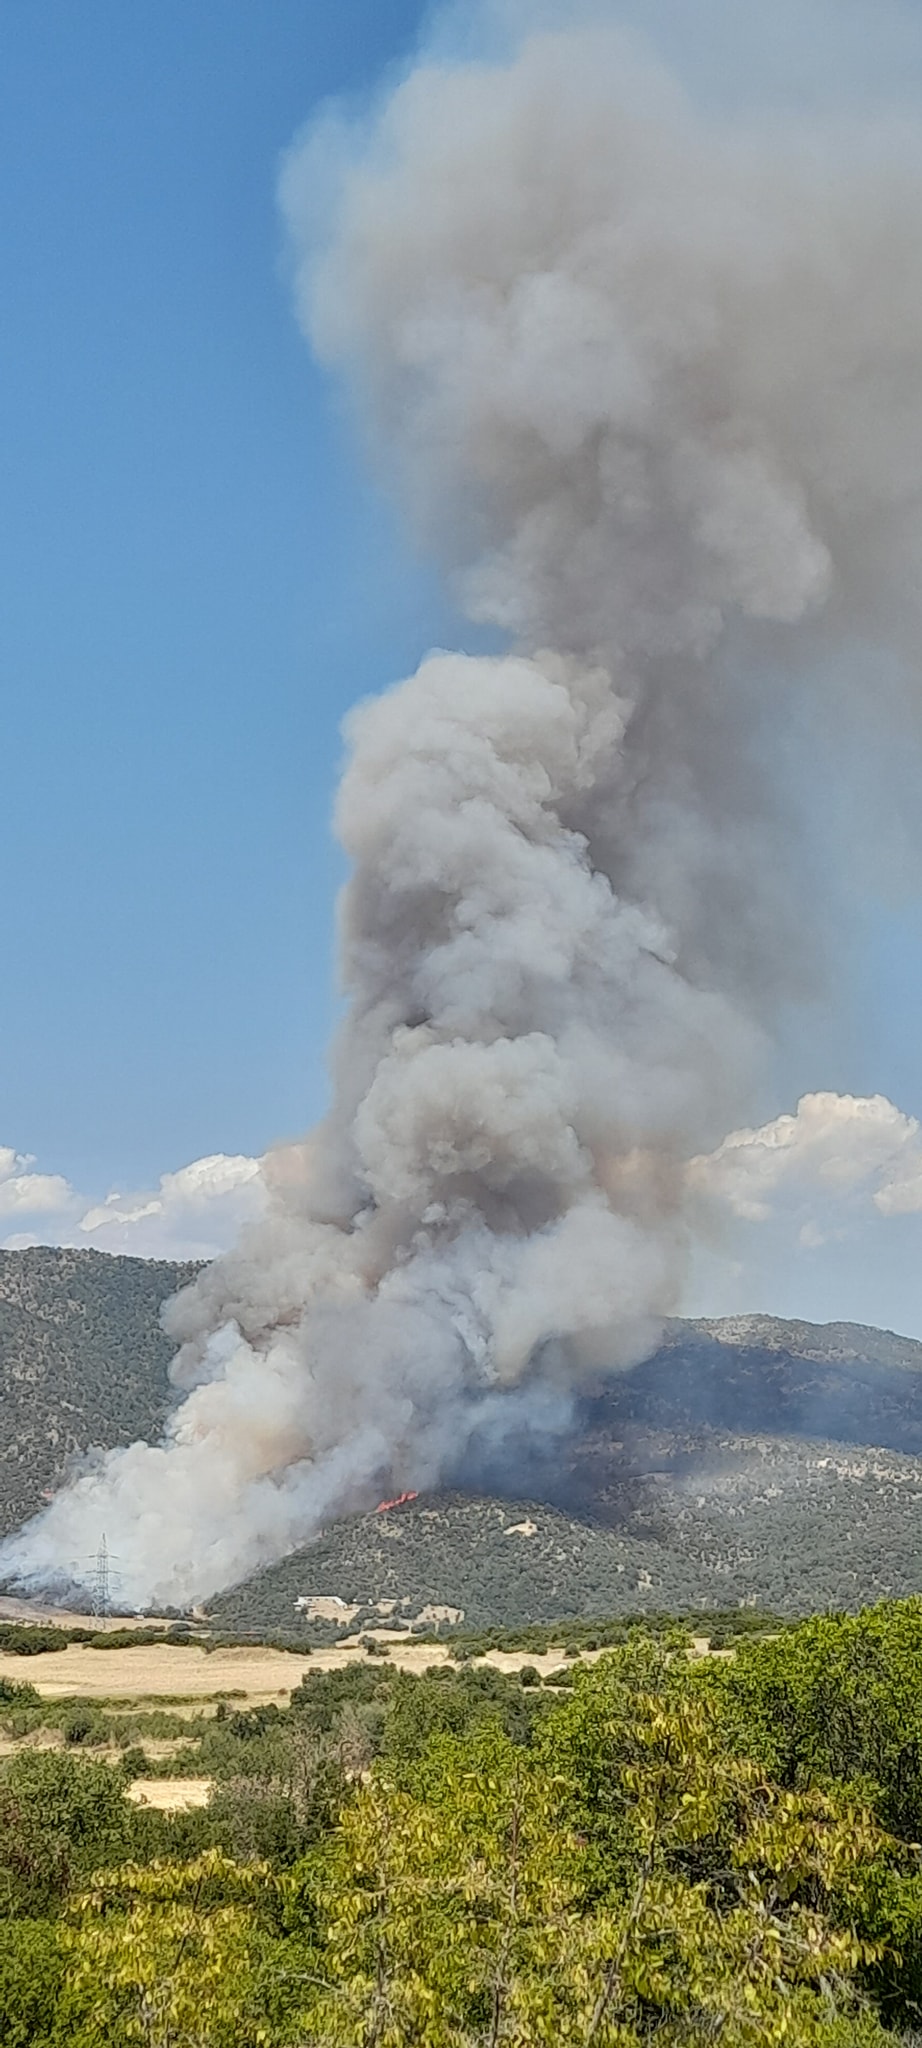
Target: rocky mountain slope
x,y
769,1521
83,1361
747,1460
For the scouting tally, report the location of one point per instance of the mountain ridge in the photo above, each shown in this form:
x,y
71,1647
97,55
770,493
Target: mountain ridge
x,y
749,1458
777,1332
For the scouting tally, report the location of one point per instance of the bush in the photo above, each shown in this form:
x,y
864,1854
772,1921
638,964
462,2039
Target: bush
x,y
83,1726
25,1639
15,1692
321,1696
61,1817
31,1974
134,1764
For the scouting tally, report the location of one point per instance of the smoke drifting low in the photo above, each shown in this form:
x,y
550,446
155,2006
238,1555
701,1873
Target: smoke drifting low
x,y
651,382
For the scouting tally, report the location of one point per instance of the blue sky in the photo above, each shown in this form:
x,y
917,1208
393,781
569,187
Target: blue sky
x,y
196,579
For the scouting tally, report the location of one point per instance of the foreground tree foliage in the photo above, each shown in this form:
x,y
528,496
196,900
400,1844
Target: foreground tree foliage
x,y
171,1954
478,1909
660,1852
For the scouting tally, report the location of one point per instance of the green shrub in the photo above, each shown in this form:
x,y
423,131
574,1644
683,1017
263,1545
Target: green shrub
x,y
61,1817
134,1764
15,1692
82,1727
26,1639
31,1975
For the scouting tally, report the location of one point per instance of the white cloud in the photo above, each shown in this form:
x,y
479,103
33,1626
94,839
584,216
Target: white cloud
x,y
837,1156
31,1194
823,1174
195,1212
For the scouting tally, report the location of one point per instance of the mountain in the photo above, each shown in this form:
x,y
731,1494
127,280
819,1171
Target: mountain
x,y
83,1362
771,1522
749,1459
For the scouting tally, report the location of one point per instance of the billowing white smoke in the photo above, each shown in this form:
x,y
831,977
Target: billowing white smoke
x,y
652,383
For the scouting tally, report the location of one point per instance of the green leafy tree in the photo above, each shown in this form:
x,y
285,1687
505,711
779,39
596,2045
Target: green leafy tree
x,y
837,1698
174,1956
31,1974
59,1818
476,1909
444,1702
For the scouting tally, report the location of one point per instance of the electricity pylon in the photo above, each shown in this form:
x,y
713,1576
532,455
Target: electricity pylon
x,y
101,1584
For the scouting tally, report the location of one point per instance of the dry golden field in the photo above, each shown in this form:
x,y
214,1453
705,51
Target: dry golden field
x,y
170,1795
162,1671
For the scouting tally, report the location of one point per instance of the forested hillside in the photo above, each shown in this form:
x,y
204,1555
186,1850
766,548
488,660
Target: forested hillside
x,y
747,1460
782,1524
83,1361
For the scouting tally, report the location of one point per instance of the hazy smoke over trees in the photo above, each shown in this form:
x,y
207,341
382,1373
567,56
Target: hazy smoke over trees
x,y
650,381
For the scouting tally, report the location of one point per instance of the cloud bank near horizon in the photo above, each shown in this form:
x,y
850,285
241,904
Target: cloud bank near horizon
x,y
837,1159
825,1172
196,1212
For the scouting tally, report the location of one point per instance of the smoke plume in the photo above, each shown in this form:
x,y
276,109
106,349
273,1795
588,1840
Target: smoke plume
x,y
649,379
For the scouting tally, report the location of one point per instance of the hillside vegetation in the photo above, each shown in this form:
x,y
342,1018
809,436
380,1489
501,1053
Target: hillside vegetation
x,y
777,1523
748,1461
83,1361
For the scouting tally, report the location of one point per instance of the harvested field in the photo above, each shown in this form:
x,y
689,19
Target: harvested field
x,y
159,1672
170,1795
162,1672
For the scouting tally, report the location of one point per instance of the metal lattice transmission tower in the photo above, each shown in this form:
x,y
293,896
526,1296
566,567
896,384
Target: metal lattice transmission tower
x,y
101,1581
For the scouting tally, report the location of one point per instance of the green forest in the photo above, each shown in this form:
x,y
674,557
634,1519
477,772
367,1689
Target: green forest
x,y
797,1527
652,1847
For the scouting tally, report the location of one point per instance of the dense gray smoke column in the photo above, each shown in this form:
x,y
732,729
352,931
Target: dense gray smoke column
x,y
652,384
